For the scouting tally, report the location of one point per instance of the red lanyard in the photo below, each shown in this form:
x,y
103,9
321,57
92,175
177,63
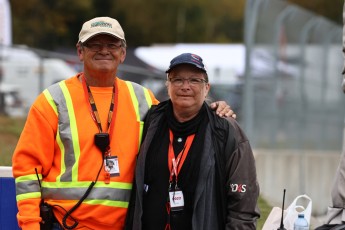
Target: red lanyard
x,y
93,108
175,164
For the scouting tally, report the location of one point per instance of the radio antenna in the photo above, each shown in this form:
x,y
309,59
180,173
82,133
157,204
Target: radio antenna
x,y
281,221
38,179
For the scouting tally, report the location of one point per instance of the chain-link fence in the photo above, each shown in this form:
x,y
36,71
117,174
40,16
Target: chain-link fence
x,y
293,100
293,96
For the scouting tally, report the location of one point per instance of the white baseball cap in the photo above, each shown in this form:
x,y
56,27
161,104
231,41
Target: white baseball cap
x,y
101,25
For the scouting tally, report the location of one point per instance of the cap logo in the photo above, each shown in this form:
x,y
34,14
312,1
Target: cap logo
x,y
187,58
101,24
196,58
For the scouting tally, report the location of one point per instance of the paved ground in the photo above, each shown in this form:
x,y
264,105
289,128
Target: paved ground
x,y
316,221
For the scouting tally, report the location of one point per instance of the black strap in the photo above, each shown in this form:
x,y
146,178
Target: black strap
x,y
131,205
93,107
148,119
221,158
69,212
331,227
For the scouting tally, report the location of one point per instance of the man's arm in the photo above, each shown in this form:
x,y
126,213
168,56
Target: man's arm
x,y
35,150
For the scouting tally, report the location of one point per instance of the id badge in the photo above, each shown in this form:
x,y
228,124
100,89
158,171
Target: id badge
x,y
176,200
111,165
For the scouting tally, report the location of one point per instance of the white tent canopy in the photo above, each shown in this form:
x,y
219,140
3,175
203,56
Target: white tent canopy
x,y
224,62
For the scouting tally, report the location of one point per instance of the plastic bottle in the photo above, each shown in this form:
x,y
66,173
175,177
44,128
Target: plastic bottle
x,y
301,223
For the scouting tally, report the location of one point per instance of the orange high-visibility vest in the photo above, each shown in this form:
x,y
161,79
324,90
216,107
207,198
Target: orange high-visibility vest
x,y
58,140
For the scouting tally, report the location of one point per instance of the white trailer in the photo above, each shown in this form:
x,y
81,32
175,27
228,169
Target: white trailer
x,y
30,73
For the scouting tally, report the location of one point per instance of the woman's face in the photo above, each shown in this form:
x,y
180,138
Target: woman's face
x,y
187,88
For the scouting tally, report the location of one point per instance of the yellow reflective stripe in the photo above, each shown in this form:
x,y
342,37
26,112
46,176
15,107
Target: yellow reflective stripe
x,y
134,99
74,130
29,177
62,150
141,128
148,97
50,100
149,102
120,204
85,184
30,195
120,185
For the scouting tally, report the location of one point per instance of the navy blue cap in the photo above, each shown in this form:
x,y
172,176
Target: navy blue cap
x,y
187,58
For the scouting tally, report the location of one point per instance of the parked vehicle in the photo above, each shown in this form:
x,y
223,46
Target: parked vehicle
x,y
29,73
11,103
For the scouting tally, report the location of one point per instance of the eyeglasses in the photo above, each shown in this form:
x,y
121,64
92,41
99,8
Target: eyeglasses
x,y
191,81
95,47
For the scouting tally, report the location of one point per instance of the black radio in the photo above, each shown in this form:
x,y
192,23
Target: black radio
x,y
102,141
46,213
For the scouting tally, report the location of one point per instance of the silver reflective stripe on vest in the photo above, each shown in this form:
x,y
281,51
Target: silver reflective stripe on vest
x,y
29,186
112,194
144,101
64,129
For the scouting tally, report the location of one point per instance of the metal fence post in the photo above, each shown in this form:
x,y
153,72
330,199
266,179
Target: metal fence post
x,y
251,15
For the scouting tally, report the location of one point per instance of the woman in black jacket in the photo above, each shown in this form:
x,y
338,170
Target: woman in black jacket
x,y
195,170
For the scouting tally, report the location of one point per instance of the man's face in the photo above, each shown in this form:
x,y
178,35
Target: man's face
x,y
187,87
101,54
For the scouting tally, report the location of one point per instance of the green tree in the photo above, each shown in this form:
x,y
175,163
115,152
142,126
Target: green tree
x,y
52,24
47,24
329,9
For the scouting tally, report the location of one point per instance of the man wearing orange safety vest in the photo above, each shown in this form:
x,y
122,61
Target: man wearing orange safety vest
x,y
76,154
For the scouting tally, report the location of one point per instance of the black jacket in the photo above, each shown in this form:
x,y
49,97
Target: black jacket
x,y
227,189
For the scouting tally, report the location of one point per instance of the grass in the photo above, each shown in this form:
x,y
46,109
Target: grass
x,y
10,129
265,209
